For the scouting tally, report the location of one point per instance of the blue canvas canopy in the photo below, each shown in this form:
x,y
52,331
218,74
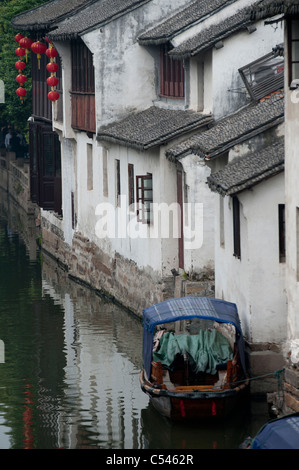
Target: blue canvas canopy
x,y
281,433
185,308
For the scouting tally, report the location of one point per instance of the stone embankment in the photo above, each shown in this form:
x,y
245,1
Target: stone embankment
x,y
15,179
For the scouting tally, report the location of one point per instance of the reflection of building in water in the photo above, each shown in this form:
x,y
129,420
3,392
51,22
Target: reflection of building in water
x,y
101,399
19,221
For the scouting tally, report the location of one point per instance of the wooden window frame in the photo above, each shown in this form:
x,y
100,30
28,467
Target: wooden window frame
x,y
89,166
144,202
260,86
281,233
290,48
131,189
236,227
117,183
82,88
172,75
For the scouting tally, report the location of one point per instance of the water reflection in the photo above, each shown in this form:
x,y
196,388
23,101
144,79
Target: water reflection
x,y
70,379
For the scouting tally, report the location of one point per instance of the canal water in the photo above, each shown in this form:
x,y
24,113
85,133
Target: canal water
x,y
71,361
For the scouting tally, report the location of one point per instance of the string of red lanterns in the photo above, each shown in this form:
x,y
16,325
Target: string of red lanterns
x,y
20,66
25,45
38,48
52,67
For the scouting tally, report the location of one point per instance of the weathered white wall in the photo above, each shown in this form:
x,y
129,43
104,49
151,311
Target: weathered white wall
x,y
139,242
292,224
239,50
125,72
256,282
199,248
223,88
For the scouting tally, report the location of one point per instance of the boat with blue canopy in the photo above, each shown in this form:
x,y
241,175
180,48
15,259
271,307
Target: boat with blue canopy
x,y
280,433
194,357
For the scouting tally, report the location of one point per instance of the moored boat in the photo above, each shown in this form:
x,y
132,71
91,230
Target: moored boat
x,y
280,433
194,358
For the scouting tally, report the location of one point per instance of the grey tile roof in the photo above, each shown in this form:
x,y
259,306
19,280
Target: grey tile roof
x,y
181,20
152,127
72,17
244,172
236,128
208,37
93,16
43,16
270,8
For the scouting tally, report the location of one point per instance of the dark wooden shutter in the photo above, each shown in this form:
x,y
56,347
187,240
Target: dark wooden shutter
x,y
236,227
180,219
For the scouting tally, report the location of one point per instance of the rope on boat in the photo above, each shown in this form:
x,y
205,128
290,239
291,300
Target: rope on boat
x,y
277,373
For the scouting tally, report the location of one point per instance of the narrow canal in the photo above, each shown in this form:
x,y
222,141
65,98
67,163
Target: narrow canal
x,y
70,368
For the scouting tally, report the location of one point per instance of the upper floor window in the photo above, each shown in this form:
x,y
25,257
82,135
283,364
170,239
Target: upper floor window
x,y
293,50
83,87
172,75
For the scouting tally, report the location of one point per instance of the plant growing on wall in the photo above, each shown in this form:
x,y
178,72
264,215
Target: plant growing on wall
x,y
13,110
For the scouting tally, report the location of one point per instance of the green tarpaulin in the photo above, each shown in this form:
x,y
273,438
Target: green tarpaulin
x,y
205,351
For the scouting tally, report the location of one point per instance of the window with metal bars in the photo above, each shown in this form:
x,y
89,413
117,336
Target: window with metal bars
x,y
144,188
172,75
265,75
293,49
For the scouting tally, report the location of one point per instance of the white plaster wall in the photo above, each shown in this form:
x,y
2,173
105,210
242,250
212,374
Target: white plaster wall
x,y
68,170
136,241
125,74
292,201
239,50
256,282
199,250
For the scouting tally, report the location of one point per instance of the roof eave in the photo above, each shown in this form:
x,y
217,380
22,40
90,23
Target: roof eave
x,y
163,140
245,185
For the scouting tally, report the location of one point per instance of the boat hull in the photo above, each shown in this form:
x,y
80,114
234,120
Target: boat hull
x,y
193,405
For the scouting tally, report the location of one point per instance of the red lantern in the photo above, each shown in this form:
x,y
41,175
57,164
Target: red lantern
x,y
18,37
52,81
51,52
20,51
20,65
21,78
39,48
52,67
53,95
21,92
26,43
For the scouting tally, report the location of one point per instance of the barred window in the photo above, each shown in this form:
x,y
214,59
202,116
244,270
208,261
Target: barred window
x,y
172,75
144,186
